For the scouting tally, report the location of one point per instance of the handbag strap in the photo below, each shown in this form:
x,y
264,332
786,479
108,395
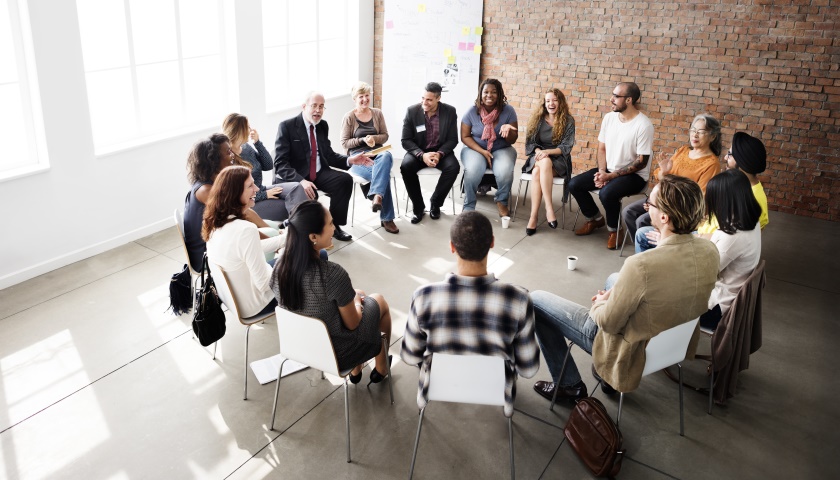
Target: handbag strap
x,y
204,267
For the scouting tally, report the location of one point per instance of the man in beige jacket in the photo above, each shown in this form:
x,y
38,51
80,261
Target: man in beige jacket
x,y
653,292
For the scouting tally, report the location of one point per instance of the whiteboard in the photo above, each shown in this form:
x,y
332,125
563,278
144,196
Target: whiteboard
x,y
429,41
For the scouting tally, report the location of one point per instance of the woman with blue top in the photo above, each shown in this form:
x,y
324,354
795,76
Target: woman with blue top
x,y
363,129
488,131
274,202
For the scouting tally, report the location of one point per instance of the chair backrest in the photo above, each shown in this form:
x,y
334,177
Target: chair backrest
x,y
669,347
477,379
306,340
179,222
223,288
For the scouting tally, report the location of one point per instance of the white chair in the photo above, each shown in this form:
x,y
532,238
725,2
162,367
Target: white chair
x,y
179,222
306,340
226,295
664,350
474,379
431,171
358,180
527,178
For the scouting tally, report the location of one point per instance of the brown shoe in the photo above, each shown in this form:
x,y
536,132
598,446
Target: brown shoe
x,y
590,226
390,226
612,241
503,209
376,203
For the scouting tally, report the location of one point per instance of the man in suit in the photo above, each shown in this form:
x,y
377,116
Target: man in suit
x,y
303,154
429,137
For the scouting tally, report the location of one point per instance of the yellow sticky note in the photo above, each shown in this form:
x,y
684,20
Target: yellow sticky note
x,y
479,30
477,49
465,31
451,59
421,8
447,52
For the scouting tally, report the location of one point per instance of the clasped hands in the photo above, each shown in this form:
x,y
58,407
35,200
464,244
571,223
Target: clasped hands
x,y
602,178
602,296
431,159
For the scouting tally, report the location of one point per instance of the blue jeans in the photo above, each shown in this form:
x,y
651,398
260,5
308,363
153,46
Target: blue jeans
x,y
474,166
557,320
642,243
379,176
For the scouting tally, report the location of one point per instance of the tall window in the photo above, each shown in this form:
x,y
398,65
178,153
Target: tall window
x,y
20,120
307,46
153,68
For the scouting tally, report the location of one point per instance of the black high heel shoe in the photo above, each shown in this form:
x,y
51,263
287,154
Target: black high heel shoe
x,y
354,379
375,376
553,224
530,231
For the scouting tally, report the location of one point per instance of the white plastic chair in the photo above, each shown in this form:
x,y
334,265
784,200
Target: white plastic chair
x,y
226,295
662,351
179,222
307,341
474,379
429,171
358,180
527,178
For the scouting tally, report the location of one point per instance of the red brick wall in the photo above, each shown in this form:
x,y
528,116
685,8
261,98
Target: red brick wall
x,y
769,68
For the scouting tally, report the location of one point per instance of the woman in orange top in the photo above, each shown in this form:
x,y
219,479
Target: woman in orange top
x,y
699,161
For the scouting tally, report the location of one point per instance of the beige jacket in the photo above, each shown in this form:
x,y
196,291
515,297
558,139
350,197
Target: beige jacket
x,y
349,125
656,290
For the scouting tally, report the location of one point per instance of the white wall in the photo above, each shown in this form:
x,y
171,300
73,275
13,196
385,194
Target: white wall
x,y
84,204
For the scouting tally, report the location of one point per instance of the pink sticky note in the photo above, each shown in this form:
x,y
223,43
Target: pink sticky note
x,y
470,46
389,24
462,46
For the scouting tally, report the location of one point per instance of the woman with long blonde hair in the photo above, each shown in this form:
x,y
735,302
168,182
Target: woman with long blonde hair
x,y
550,138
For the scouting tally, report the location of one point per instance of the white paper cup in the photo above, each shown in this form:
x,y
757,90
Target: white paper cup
x,y
572,262
505,222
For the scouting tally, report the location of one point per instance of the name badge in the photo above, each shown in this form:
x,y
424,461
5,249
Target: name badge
x,y
421,128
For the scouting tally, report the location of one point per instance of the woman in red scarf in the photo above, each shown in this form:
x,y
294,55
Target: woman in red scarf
x,y
488,131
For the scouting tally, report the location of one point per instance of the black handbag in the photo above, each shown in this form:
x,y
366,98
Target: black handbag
x,y
209,318
180,292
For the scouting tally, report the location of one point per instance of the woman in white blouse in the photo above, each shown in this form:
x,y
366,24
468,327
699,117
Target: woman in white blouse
x,y
730,199
233,243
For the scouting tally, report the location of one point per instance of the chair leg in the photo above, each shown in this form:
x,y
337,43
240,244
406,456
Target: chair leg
x,y
452,194
624,241
353,203
396,196
518,194
347,417
416,444
510,440
557,380
215,345
711,387
277,392
576,219
620,404
682,421
390,378
247,334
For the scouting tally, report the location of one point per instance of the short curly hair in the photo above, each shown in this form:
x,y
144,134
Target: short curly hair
x,y
472,235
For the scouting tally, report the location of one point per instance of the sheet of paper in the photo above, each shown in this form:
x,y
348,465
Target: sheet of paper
x,y
266,369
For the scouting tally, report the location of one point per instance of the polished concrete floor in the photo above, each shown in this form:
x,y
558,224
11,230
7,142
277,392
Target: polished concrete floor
x,y
100,382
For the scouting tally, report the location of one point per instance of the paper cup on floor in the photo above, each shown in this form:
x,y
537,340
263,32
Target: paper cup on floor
x,y
572,262
505,222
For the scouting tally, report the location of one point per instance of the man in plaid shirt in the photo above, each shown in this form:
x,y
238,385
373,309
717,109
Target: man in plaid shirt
x,y
472,313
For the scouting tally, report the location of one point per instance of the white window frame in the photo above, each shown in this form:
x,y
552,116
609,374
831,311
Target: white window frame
x,y
27,81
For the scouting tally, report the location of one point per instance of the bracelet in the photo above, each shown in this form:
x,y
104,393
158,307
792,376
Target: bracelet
x,y
358,304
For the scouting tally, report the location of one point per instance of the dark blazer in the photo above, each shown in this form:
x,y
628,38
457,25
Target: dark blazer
x,y
415,142
291,150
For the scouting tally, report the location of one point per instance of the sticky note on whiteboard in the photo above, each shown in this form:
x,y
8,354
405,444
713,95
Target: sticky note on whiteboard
x,y
470,46
479,30
421,8
462,45
477,49
389,24
447,52
451,59
465,31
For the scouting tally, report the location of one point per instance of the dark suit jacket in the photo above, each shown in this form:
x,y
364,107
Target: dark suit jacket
x,y
291,150
415,142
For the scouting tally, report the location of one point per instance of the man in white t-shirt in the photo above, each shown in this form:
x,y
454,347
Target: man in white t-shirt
x,y
624,148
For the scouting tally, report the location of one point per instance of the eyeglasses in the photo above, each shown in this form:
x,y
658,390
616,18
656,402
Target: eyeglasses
x,y
649,204
702,133
621,96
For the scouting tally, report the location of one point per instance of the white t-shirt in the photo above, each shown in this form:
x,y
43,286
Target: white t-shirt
x,y
626,141
739,255
237,248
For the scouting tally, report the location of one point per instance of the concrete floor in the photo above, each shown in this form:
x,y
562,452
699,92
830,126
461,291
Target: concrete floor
x,y
99,381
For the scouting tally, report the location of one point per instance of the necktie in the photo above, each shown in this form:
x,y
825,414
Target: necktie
x,y
313,153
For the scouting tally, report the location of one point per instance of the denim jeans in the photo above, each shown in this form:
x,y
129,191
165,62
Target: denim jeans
x,y
474,167
379,176
642,243
557,320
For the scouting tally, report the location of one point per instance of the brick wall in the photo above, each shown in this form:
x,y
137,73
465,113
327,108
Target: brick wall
x,y
770,70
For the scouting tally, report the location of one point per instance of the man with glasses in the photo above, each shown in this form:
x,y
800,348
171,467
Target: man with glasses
x,y
653,292
303,154
624,147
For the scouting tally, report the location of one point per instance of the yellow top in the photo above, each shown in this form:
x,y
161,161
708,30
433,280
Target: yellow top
x,y
711,226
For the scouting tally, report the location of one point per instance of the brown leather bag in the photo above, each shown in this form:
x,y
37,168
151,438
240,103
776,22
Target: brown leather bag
x,y
595,438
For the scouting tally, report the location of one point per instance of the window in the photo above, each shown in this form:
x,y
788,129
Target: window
x,y
307,46
153,68
20,122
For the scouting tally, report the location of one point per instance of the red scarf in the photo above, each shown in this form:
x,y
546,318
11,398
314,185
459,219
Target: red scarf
x,y
489,120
